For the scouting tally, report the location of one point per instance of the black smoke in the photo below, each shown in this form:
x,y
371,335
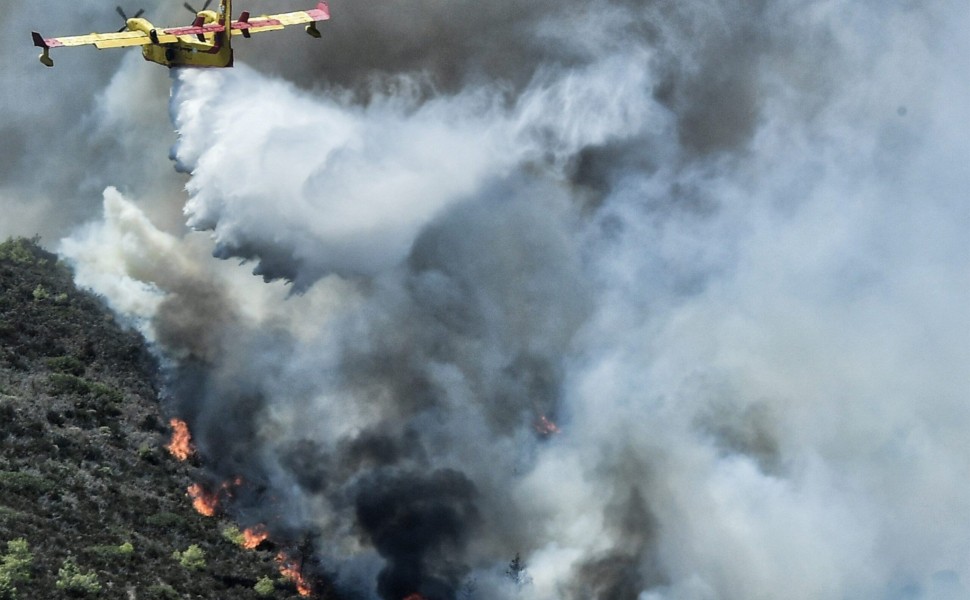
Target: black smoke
x,y
420,524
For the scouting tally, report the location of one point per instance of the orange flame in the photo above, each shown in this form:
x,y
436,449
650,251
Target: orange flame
x,y
415,597
181,445
205,503
545,427
253,537
291,570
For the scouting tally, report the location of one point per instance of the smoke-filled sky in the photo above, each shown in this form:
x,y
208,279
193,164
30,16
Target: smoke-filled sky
x,y
721,244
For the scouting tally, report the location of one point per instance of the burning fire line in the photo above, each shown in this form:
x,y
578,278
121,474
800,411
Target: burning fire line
x,y
254,536
291,570
415,597
205,503
181,445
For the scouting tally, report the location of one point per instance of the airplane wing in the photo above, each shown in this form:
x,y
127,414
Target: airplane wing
x,y
103,40
191,32
247,26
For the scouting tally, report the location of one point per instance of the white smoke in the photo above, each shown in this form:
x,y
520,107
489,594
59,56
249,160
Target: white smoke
x,y
352,187
754,342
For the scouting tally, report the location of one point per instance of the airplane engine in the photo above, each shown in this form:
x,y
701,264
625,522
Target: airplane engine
x,y
139,24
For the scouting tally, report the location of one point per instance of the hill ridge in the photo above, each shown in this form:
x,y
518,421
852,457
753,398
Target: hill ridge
x,y
84,476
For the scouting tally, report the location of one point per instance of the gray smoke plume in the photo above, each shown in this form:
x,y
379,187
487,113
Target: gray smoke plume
x,y
667,300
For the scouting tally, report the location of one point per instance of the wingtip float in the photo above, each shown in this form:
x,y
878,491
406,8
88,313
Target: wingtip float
x,y
207,42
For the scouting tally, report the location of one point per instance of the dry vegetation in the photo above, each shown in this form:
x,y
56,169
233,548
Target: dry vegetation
x,y
84,477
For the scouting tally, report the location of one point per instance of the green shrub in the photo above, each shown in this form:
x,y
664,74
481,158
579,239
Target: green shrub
x,y
111,552
166,520
24,483
18,559
264,587
231,534
59,384
16,251
41,293
66,364
14,568
161,591
148,454
7,589
192,558
73,581
9,514
106,393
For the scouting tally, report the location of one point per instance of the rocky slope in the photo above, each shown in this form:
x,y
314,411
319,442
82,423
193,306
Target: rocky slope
x,y
85,478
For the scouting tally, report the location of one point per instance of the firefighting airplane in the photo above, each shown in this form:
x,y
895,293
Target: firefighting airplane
x,y
204,43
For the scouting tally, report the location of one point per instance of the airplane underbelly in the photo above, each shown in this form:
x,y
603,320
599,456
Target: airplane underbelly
x,y
183,55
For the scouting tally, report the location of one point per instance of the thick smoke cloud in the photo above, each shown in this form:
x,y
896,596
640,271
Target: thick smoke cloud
x,y
363,182
411,515
721,245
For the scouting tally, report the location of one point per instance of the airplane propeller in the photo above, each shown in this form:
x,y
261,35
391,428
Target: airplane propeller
x,y
195,12
125,17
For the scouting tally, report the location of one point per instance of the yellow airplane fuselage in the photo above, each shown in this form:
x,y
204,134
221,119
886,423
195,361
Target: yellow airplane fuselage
x,y
213,50
189,55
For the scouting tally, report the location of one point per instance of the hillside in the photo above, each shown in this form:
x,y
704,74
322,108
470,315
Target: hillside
x,y
85,479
